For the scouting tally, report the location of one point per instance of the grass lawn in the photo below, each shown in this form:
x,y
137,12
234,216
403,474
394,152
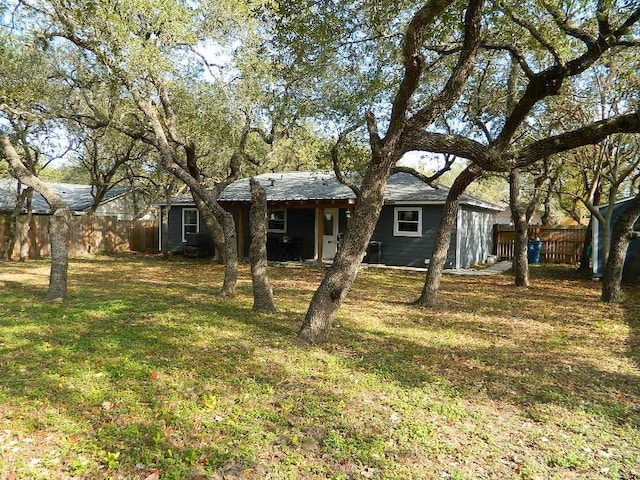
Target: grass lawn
x,y
145,374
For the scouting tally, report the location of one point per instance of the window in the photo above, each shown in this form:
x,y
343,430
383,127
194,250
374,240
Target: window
x,y
277,220
407,222
190,222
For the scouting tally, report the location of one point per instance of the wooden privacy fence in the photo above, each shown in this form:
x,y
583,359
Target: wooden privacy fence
x,y
559,244
87,235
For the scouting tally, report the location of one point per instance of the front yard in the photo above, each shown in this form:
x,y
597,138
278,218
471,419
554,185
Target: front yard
x,y
145,374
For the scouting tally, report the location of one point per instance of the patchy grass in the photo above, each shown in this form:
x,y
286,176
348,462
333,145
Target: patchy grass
x,y
144,374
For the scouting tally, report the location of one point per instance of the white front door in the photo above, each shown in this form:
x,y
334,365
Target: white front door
x,y
329,233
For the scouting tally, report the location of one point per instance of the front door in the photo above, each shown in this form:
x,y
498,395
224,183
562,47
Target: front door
x,y
329,233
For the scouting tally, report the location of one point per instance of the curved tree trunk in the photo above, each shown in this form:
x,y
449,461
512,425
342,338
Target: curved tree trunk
x,y
385,152
340,275
58,225
230,253
58,233
587,248
429,294
520,223
216,232
23,226
622,234
262,292
226,221
174,165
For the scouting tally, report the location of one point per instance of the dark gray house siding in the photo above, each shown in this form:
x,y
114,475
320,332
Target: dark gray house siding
x,y
410,251
631,271
475,235
175,243
174,233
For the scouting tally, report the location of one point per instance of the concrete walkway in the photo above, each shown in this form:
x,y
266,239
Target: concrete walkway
x,y
494,269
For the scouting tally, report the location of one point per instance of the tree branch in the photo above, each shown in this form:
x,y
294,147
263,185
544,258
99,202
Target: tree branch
x,y
451,91
562,23
335,159
586,135
530,27
428,179
413,62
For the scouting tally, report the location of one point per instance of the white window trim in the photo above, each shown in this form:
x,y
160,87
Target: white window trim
x,y
399,233
184,234
277,230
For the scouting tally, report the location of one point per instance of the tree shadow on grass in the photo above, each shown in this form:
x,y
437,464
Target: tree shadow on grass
x,y
525,378
213,396
477,341
117,347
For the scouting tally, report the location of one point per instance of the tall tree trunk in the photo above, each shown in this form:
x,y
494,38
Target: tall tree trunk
x,y
224,218
58,233
24,225
262,292
622,234
386,152
164,230
429,295
340,275
216,232
230,253
10,244
520,223
58,225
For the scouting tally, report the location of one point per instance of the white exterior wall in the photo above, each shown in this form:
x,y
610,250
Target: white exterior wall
x,y
121,207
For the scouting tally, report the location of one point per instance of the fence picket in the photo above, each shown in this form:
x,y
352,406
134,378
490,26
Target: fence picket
x,y
87,235
559,244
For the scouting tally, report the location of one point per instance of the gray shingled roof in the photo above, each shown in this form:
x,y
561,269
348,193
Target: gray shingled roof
x,y
300,186
78,197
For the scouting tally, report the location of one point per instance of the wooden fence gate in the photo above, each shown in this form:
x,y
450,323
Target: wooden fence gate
x,y
559,244
87,235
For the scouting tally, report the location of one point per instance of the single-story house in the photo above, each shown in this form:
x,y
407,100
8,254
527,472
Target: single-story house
x,y
631,270
118,201
309,211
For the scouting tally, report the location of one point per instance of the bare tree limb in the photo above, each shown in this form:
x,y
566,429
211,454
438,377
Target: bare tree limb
x,y
451,91
335,159
428,179
413,61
